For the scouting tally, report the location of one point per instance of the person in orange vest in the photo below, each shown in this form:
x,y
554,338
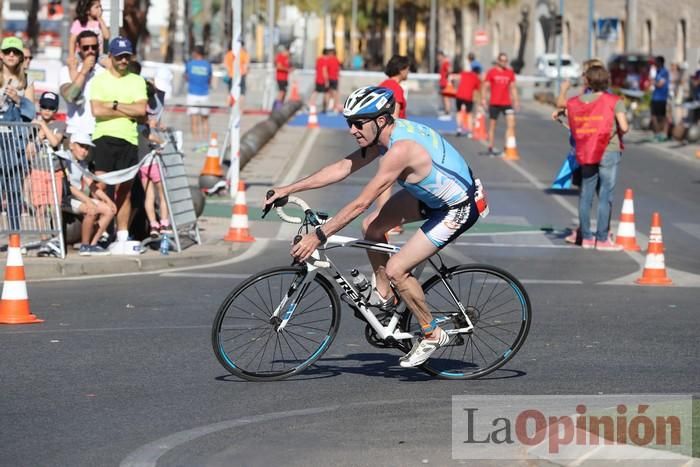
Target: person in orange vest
x,y
397,69
283,68
597,121
499,86
444,68
228,63
321,82
469,85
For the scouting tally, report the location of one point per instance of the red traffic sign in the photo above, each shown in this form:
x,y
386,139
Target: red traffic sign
x,y
481,37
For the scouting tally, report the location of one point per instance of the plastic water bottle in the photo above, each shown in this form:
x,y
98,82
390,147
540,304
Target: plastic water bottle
x,y
164,245
359,280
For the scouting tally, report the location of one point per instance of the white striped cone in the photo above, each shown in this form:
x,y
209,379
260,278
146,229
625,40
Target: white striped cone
x,y
655,264
313,119
511,149
238,228
14,305
626,231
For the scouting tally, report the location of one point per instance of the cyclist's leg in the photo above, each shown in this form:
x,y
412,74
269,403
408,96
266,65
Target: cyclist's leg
x,y
398,210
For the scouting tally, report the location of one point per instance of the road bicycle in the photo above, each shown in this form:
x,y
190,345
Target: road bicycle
x,y
280,321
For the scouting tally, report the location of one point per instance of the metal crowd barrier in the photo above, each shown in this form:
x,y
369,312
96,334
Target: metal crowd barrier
x,y
30,186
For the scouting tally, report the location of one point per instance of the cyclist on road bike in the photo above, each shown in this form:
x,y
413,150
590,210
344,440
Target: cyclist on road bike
x,y
438,187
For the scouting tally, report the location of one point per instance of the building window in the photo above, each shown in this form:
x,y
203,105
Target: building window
x,y
647,38
681,42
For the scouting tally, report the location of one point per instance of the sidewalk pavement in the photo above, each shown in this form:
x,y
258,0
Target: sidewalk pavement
x,y
212,228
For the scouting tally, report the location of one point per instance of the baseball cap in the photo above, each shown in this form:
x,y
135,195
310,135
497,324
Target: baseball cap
x,y
49,100
12,43
81,138
120,46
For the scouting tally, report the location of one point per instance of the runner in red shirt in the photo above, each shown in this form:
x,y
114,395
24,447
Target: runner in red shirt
x,y
469,83
333,67
321,82
282,68
396,69
444,70
499,86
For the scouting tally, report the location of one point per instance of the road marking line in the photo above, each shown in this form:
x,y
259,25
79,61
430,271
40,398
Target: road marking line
x,y
205,275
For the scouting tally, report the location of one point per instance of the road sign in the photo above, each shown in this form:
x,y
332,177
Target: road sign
x,y
481,37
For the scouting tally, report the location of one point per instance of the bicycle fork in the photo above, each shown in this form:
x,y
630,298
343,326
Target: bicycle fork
x,y
284,311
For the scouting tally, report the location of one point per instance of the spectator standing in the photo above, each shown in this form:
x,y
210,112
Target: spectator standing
x,y
469,85
86,197
76,92
88,18
51,131
444,69
597,120
358,62
333,66
198,73
659,100
499,87
118,100
282,69
320,81
397,69
228,63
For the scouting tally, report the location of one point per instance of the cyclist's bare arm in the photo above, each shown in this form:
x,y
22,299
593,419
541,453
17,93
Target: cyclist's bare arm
x,y
327,175
390,167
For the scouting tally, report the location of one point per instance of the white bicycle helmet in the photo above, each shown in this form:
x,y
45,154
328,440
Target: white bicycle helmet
x,y
369,102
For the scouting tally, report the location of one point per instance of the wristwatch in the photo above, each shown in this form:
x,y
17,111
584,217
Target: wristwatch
x,y
320,235
114,105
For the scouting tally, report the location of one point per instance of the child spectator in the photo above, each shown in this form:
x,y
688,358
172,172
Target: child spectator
x,y
41,179
88,17
99,208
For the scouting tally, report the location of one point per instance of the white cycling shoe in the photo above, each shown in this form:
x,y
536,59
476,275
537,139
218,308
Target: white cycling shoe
x,y
423,349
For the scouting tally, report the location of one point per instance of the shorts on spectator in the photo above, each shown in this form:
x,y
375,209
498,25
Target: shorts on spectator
x,y
658,108
76,204
468,104
149,172
320,87
114,154
42,189
193,101
333,84
496,110
282,85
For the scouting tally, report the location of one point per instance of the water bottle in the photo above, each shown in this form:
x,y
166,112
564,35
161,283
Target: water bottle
x,y
359,280
164,245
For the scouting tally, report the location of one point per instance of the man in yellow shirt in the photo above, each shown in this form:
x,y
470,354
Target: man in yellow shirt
x,y
118,99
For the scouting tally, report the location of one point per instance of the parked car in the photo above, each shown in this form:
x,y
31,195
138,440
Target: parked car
x,y
546,66
630,71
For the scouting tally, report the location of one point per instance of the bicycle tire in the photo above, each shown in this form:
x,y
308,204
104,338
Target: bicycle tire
x,y
490,318
271,355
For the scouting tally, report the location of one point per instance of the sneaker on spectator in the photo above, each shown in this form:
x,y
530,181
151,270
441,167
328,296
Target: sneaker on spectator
x,y
608,245
494,152
155,230
588,243
85,250
50,248
571,238
97,250
44,250
166,229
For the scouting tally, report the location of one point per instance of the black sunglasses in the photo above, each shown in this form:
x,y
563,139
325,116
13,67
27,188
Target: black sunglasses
x,y
122,57
357,123
16,52
48,108
87,47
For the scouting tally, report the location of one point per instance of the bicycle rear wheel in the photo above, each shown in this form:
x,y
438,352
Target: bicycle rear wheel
x,y
498,307
245,335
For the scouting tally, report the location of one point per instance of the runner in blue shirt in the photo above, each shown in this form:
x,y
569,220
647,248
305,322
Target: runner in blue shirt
x,y
659,98
198,73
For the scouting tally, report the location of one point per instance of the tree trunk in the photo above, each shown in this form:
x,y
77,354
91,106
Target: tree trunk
x,y
172,26
32,24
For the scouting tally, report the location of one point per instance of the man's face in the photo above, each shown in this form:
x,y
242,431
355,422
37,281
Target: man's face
x,y
88,46
121,62
502,61
363,130
404,73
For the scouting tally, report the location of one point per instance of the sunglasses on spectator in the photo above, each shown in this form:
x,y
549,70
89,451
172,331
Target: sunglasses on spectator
x,y
48,108
87,47
16,52
357,123
28,57
123,57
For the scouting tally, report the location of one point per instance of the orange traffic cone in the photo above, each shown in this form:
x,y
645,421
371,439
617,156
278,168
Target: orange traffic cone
x,y
655,267
211,163
313,120
238,229
697,153
294,93
479,133
14,306
449,90
626,231
511,149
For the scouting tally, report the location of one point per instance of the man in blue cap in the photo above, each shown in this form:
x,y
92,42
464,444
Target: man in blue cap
x,y
118,100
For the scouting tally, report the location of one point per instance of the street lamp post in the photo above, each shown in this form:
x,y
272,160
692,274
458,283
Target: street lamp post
x,y
431,39
560,45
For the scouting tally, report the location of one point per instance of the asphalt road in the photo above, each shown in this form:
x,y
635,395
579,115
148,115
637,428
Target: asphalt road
x,y
122,372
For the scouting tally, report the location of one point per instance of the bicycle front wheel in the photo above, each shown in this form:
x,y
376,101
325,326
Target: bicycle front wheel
x,y
246,337
498,307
